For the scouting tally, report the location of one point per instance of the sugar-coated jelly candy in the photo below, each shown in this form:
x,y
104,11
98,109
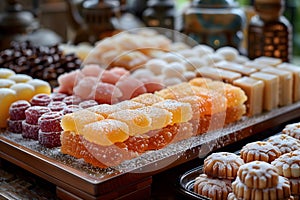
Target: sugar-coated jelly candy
x,y
6,83
107,93
30,130
34,112
50,122
6,73
72,100
57,106
20,78
23,91
71,109
7,97
40,86
14,126
17,110
49,139
40,100
56,96
88,103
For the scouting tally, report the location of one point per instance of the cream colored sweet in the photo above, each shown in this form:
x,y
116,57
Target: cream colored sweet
x,y
271,89
231,66
40,86
6,73
24,91
20,78
254,90
7,97
285,84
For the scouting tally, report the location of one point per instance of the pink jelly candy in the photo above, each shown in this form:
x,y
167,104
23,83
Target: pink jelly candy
x,y
57,106
50,122
92,70
40,100
49,139
107,93
30,130
88,103
130,87
85,89
17,110
34,112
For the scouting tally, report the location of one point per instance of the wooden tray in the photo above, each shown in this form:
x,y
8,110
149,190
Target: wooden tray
x,y
131,179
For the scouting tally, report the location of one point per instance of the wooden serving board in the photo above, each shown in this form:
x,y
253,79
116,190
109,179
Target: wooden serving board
x,y
74,179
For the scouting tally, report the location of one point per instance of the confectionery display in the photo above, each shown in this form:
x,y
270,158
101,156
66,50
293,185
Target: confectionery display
x,y
128,97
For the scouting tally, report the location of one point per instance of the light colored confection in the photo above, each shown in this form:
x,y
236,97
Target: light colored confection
x,y
218,74
215,189
271,89
229,53
7,97
271,61
182,112
76,121
288,165
106,132
123,105
193,63
6,73
280,191
137,121
284,142
6,83
40,86
295,70
159,117
260,151
104,109
258,174
285,84
292,130
20,78
24,91
231,66
147,99
254,90
223,165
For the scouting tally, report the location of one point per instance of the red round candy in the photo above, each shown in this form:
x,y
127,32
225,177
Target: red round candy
x,y
33,114
88,103
40,100
57,106
72,100
17,110
30,130
50,122
14,126
49,139
58,96
71,109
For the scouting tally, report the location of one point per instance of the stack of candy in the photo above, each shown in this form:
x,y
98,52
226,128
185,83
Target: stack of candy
x,y
14,87
106,135
39,118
